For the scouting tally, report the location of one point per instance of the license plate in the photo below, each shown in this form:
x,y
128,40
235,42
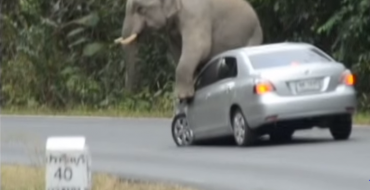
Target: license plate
x,y
308,85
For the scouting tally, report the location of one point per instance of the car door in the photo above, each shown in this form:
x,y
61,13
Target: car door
x,y
221,94
200,112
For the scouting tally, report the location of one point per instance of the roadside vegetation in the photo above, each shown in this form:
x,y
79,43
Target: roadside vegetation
x,y
362,118
59,56
15,177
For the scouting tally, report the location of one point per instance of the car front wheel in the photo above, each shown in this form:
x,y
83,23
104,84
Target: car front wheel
x,y
341,127
182,134
243,135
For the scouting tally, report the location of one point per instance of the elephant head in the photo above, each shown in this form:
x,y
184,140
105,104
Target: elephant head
x,y
141,14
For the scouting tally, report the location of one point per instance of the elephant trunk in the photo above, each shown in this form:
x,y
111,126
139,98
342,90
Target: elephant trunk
x,y
132,27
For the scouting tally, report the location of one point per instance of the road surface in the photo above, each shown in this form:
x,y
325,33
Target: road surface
x,y
144,148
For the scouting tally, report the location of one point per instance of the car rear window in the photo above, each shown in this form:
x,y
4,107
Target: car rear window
x,y
281,58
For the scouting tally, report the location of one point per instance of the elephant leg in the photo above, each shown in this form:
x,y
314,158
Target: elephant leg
x,y
184,80
196,45
175,52
174,46
257,37
132,74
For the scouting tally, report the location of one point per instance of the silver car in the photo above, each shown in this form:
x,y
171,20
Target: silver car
x,y
272,89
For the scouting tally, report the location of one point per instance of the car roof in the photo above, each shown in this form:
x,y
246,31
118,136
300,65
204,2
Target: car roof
x,y
270,47
259,49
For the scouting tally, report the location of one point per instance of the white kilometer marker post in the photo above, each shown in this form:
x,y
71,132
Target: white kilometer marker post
x,y
68,163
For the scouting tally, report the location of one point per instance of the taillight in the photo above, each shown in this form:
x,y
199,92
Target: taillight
x,y
263,87
348,78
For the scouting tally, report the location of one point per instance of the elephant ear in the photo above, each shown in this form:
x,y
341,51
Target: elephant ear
x,y
171,7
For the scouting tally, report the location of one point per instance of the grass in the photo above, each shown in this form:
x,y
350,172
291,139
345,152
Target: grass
x,y
17,177
32,177
83,111
362,118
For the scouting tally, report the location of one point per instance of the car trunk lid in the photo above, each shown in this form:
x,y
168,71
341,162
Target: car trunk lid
x,y
312,78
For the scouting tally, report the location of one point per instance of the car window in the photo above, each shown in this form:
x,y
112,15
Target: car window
x,y
281,58
208,76
227,68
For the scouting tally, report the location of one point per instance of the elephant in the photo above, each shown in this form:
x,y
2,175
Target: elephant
x,y
197,30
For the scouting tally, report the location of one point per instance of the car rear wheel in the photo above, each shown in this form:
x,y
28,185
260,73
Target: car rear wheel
x,y
341,127
282,135
243,135
182,134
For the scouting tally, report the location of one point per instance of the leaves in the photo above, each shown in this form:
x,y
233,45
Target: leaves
x,y
75,32
92,48
90,20
78,42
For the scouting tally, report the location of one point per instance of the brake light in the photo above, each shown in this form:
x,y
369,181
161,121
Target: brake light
x,y
263,87
348,79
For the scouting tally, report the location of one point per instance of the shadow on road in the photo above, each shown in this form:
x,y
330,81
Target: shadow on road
x,y
266,142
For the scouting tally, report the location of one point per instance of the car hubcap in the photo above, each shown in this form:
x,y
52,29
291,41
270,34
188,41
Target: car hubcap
x,y
239,128
183,133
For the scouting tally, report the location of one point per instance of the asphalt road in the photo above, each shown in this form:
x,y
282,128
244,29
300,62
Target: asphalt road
x,y
144,148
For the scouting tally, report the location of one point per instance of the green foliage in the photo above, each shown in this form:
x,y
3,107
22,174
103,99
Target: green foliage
x,y
61,54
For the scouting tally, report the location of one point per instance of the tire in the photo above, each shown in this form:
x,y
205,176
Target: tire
x,y
182,134
341,127
282,135
242,133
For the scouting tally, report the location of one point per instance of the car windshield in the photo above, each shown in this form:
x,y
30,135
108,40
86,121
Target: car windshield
x,y
281,58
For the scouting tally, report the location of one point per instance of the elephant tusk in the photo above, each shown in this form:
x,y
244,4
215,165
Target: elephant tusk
x,y
117,40
127,40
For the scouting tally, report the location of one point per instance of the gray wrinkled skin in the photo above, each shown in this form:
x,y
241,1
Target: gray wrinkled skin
x,y
197,30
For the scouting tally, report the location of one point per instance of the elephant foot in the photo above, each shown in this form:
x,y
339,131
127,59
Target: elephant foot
x,y
187,100
181,105
186,94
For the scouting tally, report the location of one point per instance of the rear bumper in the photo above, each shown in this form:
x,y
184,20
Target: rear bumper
x,y
291,108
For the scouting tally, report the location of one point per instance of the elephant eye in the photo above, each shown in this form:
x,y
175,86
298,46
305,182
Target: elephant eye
x,y
140,9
